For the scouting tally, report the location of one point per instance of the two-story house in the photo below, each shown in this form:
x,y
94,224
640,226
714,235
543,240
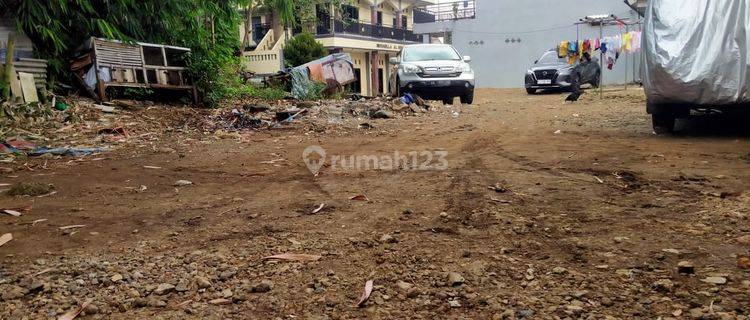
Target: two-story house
x,y
371,31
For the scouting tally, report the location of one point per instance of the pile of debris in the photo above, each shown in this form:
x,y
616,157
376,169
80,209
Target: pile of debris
x,y
79,126
256,115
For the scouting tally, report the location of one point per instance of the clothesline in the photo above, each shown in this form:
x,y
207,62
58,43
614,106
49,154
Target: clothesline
x,y
611,47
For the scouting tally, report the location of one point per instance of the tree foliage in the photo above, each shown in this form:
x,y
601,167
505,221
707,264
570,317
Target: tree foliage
x,y
208,27
302,49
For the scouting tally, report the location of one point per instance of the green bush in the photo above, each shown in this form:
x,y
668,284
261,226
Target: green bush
x,y
315,92
302,49
270,93
208,27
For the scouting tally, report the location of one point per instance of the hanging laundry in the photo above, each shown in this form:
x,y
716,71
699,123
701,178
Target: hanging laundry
x,y
572,59
573,48
604,47
562,49
587,45
580,48
597,45
626,42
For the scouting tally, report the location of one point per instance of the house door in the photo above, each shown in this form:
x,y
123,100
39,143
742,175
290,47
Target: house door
x,y
380,80
259,31
356,86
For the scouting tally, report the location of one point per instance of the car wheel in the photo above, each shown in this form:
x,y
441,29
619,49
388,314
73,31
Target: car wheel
x,y
663,123
448,101
468,98
530,90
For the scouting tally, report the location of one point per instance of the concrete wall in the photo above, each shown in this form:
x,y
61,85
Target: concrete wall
x,y
540,24
22,43
388,9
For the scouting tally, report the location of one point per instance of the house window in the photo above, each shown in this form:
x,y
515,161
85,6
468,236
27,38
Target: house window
x,y
380,18
349,13
404,21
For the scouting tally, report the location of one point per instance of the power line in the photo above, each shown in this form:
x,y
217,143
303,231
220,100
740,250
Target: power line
x,y
522,32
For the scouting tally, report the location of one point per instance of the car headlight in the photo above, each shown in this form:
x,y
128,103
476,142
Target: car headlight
x,y
529,71
411,69
466,68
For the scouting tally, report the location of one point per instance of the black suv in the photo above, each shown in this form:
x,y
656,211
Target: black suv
x,y
550,72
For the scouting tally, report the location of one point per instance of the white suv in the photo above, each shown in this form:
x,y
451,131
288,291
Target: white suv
x,y
434,72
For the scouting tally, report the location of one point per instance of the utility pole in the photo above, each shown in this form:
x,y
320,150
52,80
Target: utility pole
x,y
601,63
9,71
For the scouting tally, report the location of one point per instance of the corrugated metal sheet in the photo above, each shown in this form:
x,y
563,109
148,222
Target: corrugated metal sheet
x,y
36,67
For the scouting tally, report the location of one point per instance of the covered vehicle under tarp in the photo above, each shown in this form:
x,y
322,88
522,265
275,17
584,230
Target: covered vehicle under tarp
x,y
335,71
696,54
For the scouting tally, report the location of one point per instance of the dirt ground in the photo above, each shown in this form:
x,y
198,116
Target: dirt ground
x,y
546,210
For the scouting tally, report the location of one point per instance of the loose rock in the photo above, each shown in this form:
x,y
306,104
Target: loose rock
x,y
455,279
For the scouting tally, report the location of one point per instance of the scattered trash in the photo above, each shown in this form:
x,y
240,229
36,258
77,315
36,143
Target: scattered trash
x,y
42,272
558,131
257,108
294,257
21,145
455,114
408,99
500,200
106,109
32,189
5,239
12,212
33,223
319,208
381,114
75,226
151,167
598,179
74,152
366,293
498,188
360,197
72,314
182,183
114,130
61,106
366,125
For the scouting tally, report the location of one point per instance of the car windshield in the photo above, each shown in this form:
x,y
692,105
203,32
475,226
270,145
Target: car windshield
x,y
428,53
550,58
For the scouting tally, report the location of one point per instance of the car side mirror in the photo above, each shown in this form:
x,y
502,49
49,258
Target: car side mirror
x,y
467,59
393,60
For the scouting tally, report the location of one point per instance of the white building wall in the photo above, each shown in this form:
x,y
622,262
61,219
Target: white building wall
x,y
540,24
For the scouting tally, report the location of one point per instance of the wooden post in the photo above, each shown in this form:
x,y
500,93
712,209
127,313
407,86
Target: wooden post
x,y
9,72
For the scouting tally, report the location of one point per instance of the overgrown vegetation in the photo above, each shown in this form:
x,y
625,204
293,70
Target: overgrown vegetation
x,y
208,27
302,49
315,92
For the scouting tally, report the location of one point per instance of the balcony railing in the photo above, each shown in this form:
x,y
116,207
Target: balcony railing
x,y
445,11
359,28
